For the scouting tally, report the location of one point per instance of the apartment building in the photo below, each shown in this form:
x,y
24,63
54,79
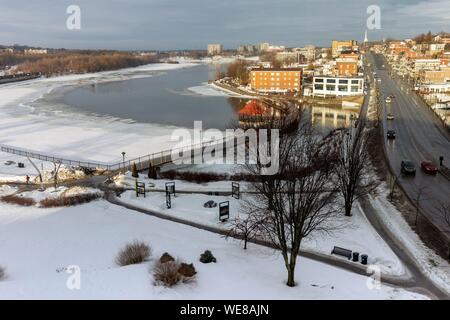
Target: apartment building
x,y
338,86
263,46
436,76
309,52
338,46
214,49
276,80
426,64
346,67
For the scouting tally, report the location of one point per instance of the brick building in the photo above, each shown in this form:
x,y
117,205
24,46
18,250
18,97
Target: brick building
x,y
276,80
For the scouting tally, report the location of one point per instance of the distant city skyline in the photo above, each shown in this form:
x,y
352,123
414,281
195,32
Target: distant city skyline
x,y
181,24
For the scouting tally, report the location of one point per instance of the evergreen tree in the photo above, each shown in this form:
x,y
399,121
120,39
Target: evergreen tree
x,y
134,171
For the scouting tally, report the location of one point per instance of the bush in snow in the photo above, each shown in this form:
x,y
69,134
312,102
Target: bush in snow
x,y
207,257
19,200
2,273
133,253
166,258
134,171
172,272
166,273
187,270
67,201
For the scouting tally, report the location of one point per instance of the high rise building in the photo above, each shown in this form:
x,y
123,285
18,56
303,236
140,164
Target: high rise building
x,y
214,49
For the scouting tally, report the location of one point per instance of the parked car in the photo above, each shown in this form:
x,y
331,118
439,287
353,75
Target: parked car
x,y
428,167
210,204
391,134
390,116
408,167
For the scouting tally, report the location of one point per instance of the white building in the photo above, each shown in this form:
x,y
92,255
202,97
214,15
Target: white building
x,y
426,64
214,49
338,86
35,51
263,46
309,52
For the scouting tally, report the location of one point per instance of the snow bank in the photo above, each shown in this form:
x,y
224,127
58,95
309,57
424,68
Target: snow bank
x,y
434,267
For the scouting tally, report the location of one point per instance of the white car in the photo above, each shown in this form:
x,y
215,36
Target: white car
x,y
390,116
388,100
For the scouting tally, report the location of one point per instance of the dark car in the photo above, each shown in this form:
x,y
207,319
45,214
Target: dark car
x,y
391,134
210,204
428,167
407,167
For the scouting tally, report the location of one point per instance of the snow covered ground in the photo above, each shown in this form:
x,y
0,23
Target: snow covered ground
x,y
432,265
38,245
355,234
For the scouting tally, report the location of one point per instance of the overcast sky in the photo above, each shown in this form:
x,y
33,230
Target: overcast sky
x,y
192,24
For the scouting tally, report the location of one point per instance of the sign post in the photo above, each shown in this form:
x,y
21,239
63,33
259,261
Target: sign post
x,y
235,190
170,188
224,211
140,188
168,200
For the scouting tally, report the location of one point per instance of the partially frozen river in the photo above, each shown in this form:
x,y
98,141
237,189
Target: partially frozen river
x,y
165,98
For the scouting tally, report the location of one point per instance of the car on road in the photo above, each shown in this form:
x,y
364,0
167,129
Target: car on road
x,y
408,167
388,100
390,116
391,134
428,167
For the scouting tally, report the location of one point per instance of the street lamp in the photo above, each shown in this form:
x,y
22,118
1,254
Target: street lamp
x,y
123,159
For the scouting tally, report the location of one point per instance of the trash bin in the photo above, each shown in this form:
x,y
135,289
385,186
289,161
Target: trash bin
x,y
355,256
364,258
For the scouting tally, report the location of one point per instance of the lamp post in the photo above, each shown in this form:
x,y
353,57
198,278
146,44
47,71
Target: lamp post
x,y
123,159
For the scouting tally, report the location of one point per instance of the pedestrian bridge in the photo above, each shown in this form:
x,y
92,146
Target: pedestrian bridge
x,y
142,162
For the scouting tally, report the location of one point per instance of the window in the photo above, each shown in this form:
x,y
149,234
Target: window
x,y
331,80
355,81
355,88
342,88
318,80
330,87
343,81
318,87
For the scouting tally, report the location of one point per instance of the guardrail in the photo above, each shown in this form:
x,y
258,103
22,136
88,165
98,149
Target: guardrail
x,y
156,158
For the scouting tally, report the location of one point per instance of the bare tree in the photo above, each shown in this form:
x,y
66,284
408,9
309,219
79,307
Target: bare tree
x,y
57,166
444,209
37,169
297,201
245,228
419,197
354,180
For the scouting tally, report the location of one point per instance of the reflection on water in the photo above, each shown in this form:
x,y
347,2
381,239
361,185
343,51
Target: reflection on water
x,y
329,118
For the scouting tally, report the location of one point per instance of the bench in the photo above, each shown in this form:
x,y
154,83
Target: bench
x,y
342,252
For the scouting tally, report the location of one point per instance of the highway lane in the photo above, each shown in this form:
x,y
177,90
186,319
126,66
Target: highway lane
x,y
418,138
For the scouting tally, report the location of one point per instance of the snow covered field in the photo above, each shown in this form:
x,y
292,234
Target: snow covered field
x,y
37,245
355,233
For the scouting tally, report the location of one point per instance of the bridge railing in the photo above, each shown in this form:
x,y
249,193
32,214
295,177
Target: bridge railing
x,y
156,158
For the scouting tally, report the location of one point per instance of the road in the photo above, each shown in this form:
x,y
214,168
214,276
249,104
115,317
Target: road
x,y
418,138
